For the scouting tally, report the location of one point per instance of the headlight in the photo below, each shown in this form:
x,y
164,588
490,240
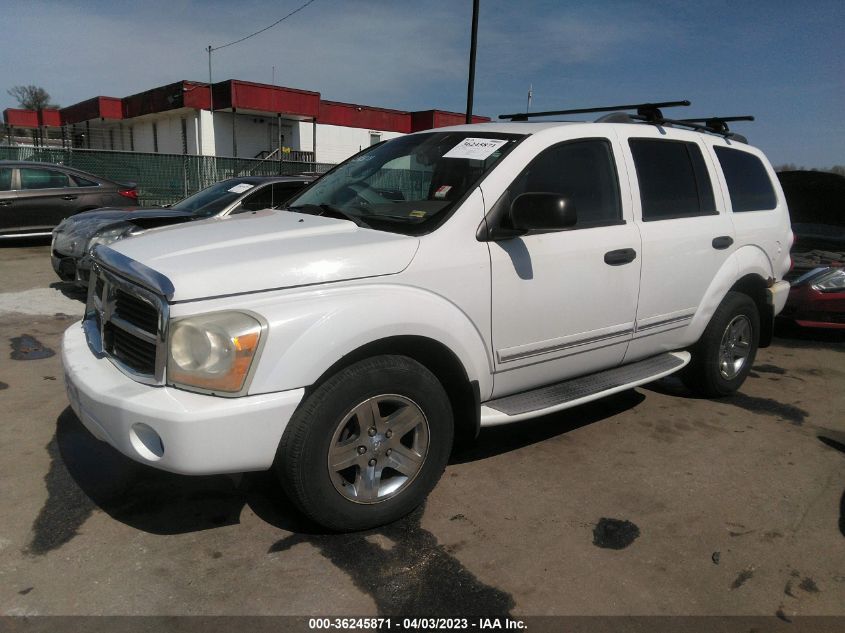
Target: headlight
x,y
108,236
213,351
831,281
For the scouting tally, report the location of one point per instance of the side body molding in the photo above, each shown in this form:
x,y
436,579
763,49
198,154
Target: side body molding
x,y
311,331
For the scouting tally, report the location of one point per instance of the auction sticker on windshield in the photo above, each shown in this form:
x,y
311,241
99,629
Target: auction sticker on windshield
x,y
240,188
475,148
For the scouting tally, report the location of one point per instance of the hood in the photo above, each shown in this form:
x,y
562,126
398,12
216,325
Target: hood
x,y
73,233
265,250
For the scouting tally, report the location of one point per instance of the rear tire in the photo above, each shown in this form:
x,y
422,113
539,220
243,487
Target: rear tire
x,y
725,352
367,445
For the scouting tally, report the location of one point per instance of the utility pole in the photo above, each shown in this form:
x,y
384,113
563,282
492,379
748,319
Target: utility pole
x,y
530,97
472,47
210,95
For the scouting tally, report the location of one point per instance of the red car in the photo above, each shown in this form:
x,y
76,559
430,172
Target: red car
x,y
817,299
817,209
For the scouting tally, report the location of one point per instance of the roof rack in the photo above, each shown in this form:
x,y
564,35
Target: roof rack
x,y
713,125
719,124
651,111
648,113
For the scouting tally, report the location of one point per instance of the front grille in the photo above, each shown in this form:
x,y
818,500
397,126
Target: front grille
x,y
125,321
135,311
134,352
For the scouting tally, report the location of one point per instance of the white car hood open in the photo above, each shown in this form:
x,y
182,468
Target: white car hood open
x,y
266,250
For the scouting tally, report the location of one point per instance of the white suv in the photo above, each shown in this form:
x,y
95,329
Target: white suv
x,y
429,286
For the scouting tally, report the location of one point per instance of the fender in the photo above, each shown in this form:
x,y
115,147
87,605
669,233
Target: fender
x,y
745,260
311,331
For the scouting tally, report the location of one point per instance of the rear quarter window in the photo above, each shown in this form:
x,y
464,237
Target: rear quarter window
x,y
84,182
748,181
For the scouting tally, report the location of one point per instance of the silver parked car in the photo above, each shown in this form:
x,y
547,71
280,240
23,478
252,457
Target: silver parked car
x,y
76,236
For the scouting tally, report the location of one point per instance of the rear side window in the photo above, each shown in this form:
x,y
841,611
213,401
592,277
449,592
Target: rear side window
x,y
748,182
5,179
84,182
43,179
582,171
673,178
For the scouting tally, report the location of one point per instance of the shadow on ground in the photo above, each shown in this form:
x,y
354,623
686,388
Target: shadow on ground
x,y
86,473
496,440
789,334
71,290
401,566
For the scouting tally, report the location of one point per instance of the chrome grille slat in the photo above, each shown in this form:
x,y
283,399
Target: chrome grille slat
x,y
136,311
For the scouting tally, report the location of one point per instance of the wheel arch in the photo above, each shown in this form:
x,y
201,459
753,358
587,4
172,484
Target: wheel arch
x,y
754,286
464,394
747,270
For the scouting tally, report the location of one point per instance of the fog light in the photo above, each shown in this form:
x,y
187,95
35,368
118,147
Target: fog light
x,y
146,442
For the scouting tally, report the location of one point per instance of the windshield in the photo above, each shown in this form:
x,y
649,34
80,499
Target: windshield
x,y
214,199
409,184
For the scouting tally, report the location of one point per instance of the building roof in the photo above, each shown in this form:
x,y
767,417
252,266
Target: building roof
x,y
238,95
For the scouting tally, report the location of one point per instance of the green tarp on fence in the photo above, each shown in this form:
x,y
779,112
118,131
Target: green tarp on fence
x,y
161,178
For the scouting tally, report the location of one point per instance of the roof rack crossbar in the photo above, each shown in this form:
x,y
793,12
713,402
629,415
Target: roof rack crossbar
x,y
651,110
720,123
693,124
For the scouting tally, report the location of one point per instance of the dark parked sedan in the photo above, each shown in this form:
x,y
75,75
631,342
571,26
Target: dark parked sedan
x,y
35,197
75,237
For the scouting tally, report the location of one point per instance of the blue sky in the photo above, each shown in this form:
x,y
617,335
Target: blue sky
x,y
784,62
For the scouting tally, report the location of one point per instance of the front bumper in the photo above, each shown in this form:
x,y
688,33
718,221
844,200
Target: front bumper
x,y
168,428
72,269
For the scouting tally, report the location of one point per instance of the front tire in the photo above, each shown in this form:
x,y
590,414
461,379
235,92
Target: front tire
x,y
367,445
725,352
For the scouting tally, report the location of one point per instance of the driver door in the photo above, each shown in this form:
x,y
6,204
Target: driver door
x,y
564,301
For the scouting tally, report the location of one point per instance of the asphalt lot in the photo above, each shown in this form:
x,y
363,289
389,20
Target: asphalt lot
x,y
735,507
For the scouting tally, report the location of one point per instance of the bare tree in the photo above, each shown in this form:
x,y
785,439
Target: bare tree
x,y
32,97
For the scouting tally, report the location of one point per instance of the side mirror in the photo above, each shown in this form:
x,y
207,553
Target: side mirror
x,y
542,212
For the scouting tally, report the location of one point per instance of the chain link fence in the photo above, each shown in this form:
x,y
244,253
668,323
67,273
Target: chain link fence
x,y
161,178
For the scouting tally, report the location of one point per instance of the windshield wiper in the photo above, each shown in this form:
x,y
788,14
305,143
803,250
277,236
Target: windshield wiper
x,y
329,210
392,218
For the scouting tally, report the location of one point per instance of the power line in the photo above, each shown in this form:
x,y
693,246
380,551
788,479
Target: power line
x,y
266,28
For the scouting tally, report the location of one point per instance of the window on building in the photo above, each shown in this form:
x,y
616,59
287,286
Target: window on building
x,y
583,172
375,138
43,179
673,178
748,182
5,179
155,138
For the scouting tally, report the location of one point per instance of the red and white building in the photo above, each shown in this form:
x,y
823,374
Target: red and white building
x,y
235,118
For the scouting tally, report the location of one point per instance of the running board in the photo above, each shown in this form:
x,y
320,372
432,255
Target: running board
x,y
571,393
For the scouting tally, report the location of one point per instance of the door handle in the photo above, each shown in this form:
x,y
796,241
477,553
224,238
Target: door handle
x,y
68,197
722,242
619,257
